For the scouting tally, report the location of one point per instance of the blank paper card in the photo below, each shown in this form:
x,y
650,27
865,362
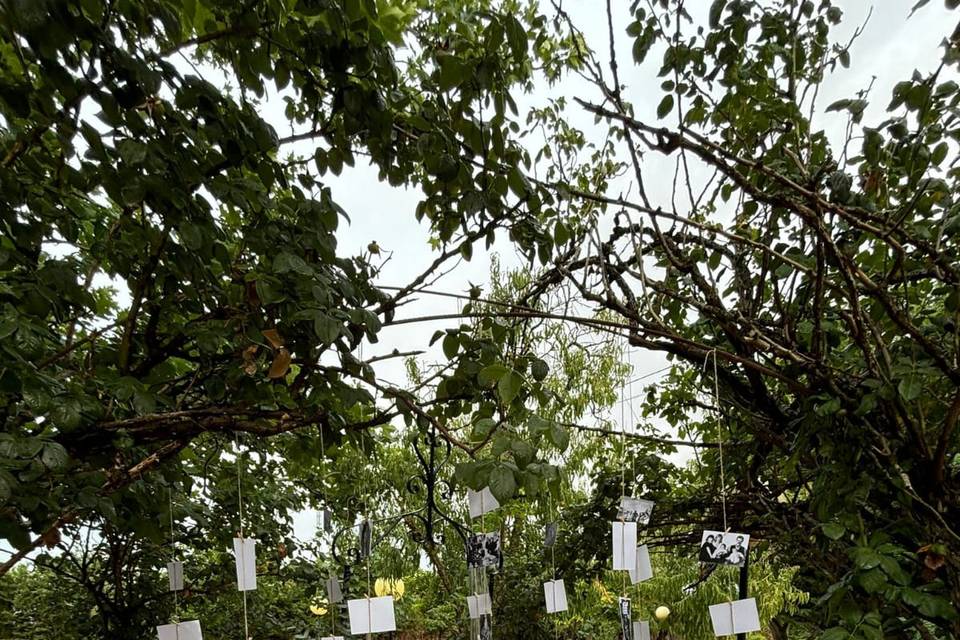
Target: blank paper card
x,y
189,630
245,555
371,615
624,546
555,595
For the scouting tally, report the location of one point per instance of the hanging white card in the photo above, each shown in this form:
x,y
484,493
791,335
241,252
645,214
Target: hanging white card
x,y
334,594
175,575
641,630
245,556
479,605
642,570
624,545
371,615
332,638
481,502
555,595
739,616
189,630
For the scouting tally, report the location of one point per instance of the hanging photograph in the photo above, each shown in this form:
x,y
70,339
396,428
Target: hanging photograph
x,y
739,616
550,535
366,538
334,594
479,605
717,547
189,630
641,630
483,550
175,575
325,520
486,628
643,569
624,546
626,622
555,595
635,510
245,556
481,502
371,615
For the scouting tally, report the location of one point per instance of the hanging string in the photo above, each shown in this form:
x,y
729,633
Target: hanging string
x,y
716,408
623,483
173,546
367,526
553,555
243,568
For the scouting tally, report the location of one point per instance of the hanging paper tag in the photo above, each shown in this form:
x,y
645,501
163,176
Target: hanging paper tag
x,y
334,594
332,638
643,570
483,550
624,545
641,630
739,616
245,556
626,624
327,516
479,605
175,575
481,502
189,630
371,615
486,628
555,595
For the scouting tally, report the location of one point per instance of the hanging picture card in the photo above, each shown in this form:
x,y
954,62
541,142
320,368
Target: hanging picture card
x,y
332,638
555,595
739,616
366,538
481,502
479,605
245,555
189,630
334,594
717,547
325,520
624,545
483,550
626,622
486,628
641,630
371,615
175,575
642,570
550,535
635,510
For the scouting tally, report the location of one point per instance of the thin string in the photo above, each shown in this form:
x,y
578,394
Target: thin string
x,y
716,408
323,527
173,546
623,484
366,510
243,543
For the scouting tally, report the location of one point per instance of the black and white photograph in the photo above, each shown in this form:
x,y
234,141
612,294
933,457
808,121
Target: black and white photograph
x,y
486,628
550,535
717,547
483,550
366,538
635,510
626,621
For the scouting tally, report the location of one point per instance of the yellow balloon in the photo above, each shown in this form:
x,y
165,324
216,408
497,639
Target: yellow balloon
x,y
380,587
661,613
398,588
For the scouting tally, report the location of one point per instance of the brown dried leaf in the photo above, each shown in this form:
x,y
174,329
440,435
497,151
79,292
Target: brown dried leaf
x,y
273,338
934,561
51,538
249,359
281,364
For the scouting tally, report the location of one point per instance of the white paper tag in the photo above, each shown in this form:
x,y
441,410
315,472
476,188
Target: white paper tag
x,y
479,605
371,615
334,594
555,595
189,630
481,502
643,570
624,545
332,638
641,630
739,616
175,575
245,556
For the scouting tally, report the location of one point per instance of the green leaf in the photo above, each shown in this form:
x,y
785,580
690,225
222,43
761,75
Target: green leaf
x,y
326,327
539,369
833,530
910,388
665,106
509,386
559,436
716,12
489,376
503,484
451,344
